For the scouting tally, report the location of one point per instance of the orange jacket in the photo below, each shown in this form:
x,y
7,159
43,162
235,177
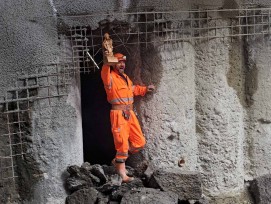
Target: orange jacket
x,y
117,89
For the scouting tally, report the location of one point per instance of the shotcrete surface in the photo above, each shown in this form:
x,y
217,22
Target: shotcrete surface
x,y
168,116
219,121
259,111
29,41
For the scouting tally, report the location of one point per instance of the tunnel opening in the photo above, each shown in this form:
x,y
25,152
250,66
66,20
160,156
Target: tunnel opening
x,y
98,145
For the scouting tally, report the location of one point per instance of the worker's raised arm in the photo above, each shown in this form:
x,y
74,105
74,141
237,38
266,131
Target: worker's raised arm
x,y
106,76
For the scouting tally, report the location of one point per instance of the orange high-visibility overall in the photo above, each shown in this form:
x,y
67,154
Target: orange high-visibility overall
x,y
126,132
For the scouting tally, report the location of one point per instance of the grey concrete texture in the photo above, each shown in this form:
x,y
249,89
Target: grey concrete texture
x,y
70,7
29,41
23,40
241,197
259,110
253,3
168,116
219,120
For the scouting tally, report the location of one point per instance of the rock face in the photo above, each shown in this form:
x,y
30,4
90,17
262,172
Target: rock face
x,y
187,185
83,196
261,189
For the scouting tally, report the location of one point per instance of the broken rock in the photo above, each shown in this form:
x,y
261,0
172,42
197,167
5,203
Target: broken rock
x,y
73,170
124,188
86,166
82,177
102,199
74,184
149,196
83,196
138,162
186,184
114,181
98,171
109,170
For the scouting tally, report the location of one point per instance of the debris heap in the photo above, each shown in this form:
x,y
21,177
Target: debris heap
x,y
101,184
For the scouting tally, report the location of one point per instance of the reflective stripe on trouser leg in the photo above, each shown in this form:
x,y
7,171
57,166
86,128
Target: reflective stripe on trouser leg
x,y
120,130
134,150
119,157
136,138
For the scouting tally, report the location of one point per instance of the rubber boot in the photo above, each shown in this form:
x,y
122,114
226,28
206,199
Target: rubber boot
x,y
120,167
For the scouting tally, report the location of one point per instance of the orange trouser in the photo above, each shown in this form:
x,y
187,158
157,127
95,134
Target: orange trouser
x,y
127,134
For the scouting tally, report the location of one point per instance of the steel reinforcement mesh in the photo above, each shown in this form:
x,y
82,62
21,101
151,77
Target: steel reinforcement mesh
x,y
162,28
81,45
48,83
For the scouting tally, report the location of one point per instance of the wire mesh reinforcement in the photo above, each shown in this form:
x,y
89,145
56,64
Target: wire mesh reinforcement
x,y
138,28
162,28
48,83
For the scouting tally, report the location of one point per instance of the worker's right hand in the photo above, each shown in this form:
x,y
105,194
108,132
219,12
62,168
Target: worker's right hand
x,y
150,88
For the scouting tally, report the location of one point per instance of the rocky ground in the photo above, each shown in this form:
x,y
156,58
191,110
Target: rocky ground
x,y
100,184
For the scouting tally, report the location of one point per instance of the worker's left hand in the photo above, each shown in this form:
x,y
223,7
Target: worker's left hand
x,y
151,88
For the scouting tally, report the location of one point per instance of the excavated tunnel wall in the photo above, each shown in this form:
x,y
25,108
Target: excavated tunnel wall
x,y
211,106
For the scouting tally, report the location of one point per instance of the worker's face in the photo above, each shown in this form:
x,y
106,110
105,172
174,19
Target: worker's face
x,y
120,67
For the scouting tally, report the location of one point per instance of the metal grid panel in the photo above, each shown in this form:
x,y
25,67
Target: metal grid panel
x,y
165,27
48,83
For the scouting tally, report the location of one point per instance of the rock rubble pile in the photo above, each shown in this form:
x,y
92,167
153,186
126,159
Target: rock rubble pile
x,y
100,184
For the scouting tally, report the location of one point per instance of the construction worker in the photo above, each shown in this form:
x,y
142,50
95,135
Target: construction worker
x,y
125,127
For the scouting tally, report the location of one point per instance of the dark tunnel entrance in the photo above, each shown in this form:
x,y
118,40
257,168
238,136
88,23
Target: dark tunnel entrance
x,y
97,138
98,143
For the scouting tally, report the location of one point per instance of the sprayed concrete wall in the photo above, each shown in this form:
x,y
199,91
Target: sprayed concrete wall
x,y
219,121
258,111
29,39
211,106
173,114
